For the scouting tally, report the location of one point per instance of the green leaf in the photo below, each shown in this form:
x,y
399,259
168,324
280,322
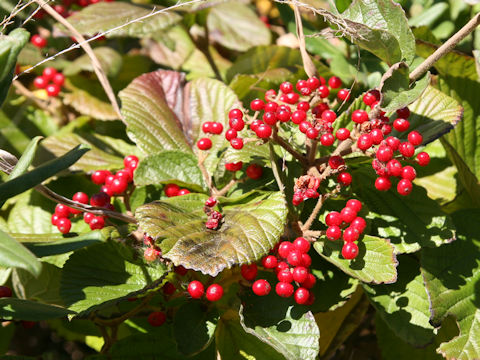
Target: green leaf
x,y
376,261
251,152
148,108
235,26
170,166
96,276
452,276
110,62
381,27
234,343
13,254
29,215
10,47
193,327
248,232
411,223
104,16
26,160
19,309
38,175
396,89
405,305
429,15
89,104
433,114
95,159
289,329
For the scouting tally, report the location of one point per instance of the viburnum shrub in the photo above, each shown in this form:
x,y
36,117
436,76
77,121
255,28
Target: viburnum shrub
x,y
190,188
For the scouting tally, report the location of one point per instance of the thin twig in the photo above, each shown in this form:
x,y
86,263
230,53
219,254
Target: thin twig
x,y
276,173
102,77
445,48
226,188
7,20
314,213
290,149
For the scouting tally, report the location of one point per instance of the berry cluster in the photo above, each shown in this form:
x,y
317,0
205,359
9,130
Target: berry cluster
x,y
111,185
151,252
172,190
196,290
50,80
352,225
214,217
291,265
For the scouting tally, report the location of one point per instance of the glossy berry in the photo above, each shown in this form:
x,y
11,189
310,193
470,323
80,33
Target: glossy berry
x,y
415,138
329,116
423,158
383,183
124,174
97,223
87,217
343,94
301,296
342,134
303,105
119,185
80,197
257,105
403,112
313,83
283,115
333,218
292,98
409,173
282,265
171,190
377,136
62,210
354,204
236,143
263,131
323,91
157,318
52,90
312,133
271,106
306,260
127,160
301,244
351,234
284,249
344,178
269,118
401,124
335,162
348,214
214,292
207,127
404,187
5,292
406,149
300,274
249,271
234,166
393,142
54,219
359,224
298,116
304,126
384,153
183,192
38,41
98,177
235,113
269,262
349,250
310,282
40,82
58,79
327,139
211,202
294,257
100,199
261,287
48,73
369,98
204,144
364,142
284,289
195,289
231,134
286,87
334,82
285,275
270,94
217,128
394,168
64,225
236,124
359,116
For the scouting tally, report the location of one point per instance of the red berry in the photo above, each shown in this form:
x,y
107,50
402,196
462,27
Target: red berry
x,y
263,131
369,98
354,204
48,73
40,82
284,249
377,136
171,190
342,134
319,109
349,250
285,275
234,166
329,116
62,211
384,153
207,127
38,41
180,270
204,144
80,197
301,244
64,225
100,199
124,174
406,149
404,187
119,185
333,218
257,105
310,282
302,84
269,262
261,287
129,159
409,173
303,105
312,133
231,134
304,126
403,113
211,202
394,168
214,292
335,162
235,113
217,128
327,139
249,272
286,87
383,183
334,82
415,138
5,292
294,257
401,124
344,178
236,124
364,142
282,265
236,143
157,318
306,260
283,115
300,274
52,90
423,158
107,190
195,289
59,79
87,217
344,94
301,296
270,118
97,223
284,289
271,106
98,177
358,223
299,116
359,116
313,83
183,192
323,91
393,142
351,234
54,219
348,214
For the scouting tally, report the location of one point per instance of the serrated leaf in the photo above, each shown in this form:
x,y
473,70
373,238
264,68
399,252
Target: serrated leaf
x,y
405,305
396,89
89,104
289,329
452,275
19,309
235,26
147,106
15,255
411,223
95,159
375,263
170,166
248,232
110,62
100,17
99,275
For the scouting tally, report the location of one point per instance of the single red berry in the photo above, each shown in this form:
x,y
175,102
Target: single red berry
x,y
234,166
180,270
97,223
342,134
254,171
393,142
98,177
359,116
40,82
269,118
284,289
211,202
80,197
359,224
327,139
301,296
285,275
282,265
52,90
294,257
319,109
344,94
269,262
62,211
404,187
236,124
231,134
261,287
284,249
286,87
335,162
207,127
217,128
235,113
304,126
64,225
354,204
383,183
323,91
423,158
406,149
384,153
310,282
183,192
409,173
313,83
119,185
271,106
344,178
334,82
312,133
87,217
195,289
249,271
157,318
109,179
107,190
386,129
59,79
306,260
369,98
54,219
364,142
351,234
214,292
5,292
394,168
300,274
124,174
257,105
377,136
204,144
38,41
349,250
303,105
301,244
415,138
171,190
292,98
100,199
283,115
348,214
403,112
333,218
329,116
128,159
48,73
302,84
401,124
236,143
263,131
299,116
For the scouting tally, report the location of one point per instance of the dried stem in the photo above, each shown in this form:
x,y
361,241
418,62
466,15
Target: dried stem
x,y
208,179
226,188
276,173
308,64
314,213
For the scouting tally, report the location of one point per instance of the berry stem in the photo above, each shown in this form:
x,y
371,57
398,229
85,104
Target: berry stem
x,y
290,149
313,215
208,179
276,173
227,187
